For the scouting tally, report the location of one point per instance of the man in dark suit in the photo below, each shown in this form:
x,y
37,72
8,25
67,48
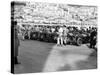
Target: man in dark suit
x,y
93,38
16,43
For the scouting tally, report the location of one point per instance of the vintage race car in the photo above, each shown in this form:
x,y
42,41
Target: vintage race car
x,y
44,36
34,35
78,38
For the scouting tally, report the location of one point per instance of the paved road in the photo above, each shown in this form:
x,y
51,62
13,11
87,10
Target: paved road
x,y
36,56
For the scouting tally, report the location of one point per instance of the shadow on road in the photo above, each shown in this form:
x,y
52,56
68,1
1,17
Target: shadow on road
x,y
32,55
36,56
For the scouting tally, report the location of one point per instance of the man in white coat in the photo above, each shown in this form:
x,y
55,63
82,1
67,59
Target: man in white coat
x,y
60,36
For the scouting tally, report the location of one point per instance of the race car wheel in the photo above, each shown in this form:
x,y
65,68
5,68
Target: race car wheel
x,y
79,41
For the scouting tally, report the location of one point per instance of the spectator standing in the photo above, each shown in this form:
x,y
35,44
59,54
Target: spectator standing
x,y
93,38
65,32
16,43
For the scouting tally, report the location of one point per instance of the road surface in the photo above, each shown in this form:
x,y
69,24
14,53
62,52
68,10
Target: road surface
x,y
36,56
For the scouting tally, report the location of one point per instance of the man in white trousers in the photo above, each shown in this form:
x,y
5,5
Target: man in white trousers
x,y
60,37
